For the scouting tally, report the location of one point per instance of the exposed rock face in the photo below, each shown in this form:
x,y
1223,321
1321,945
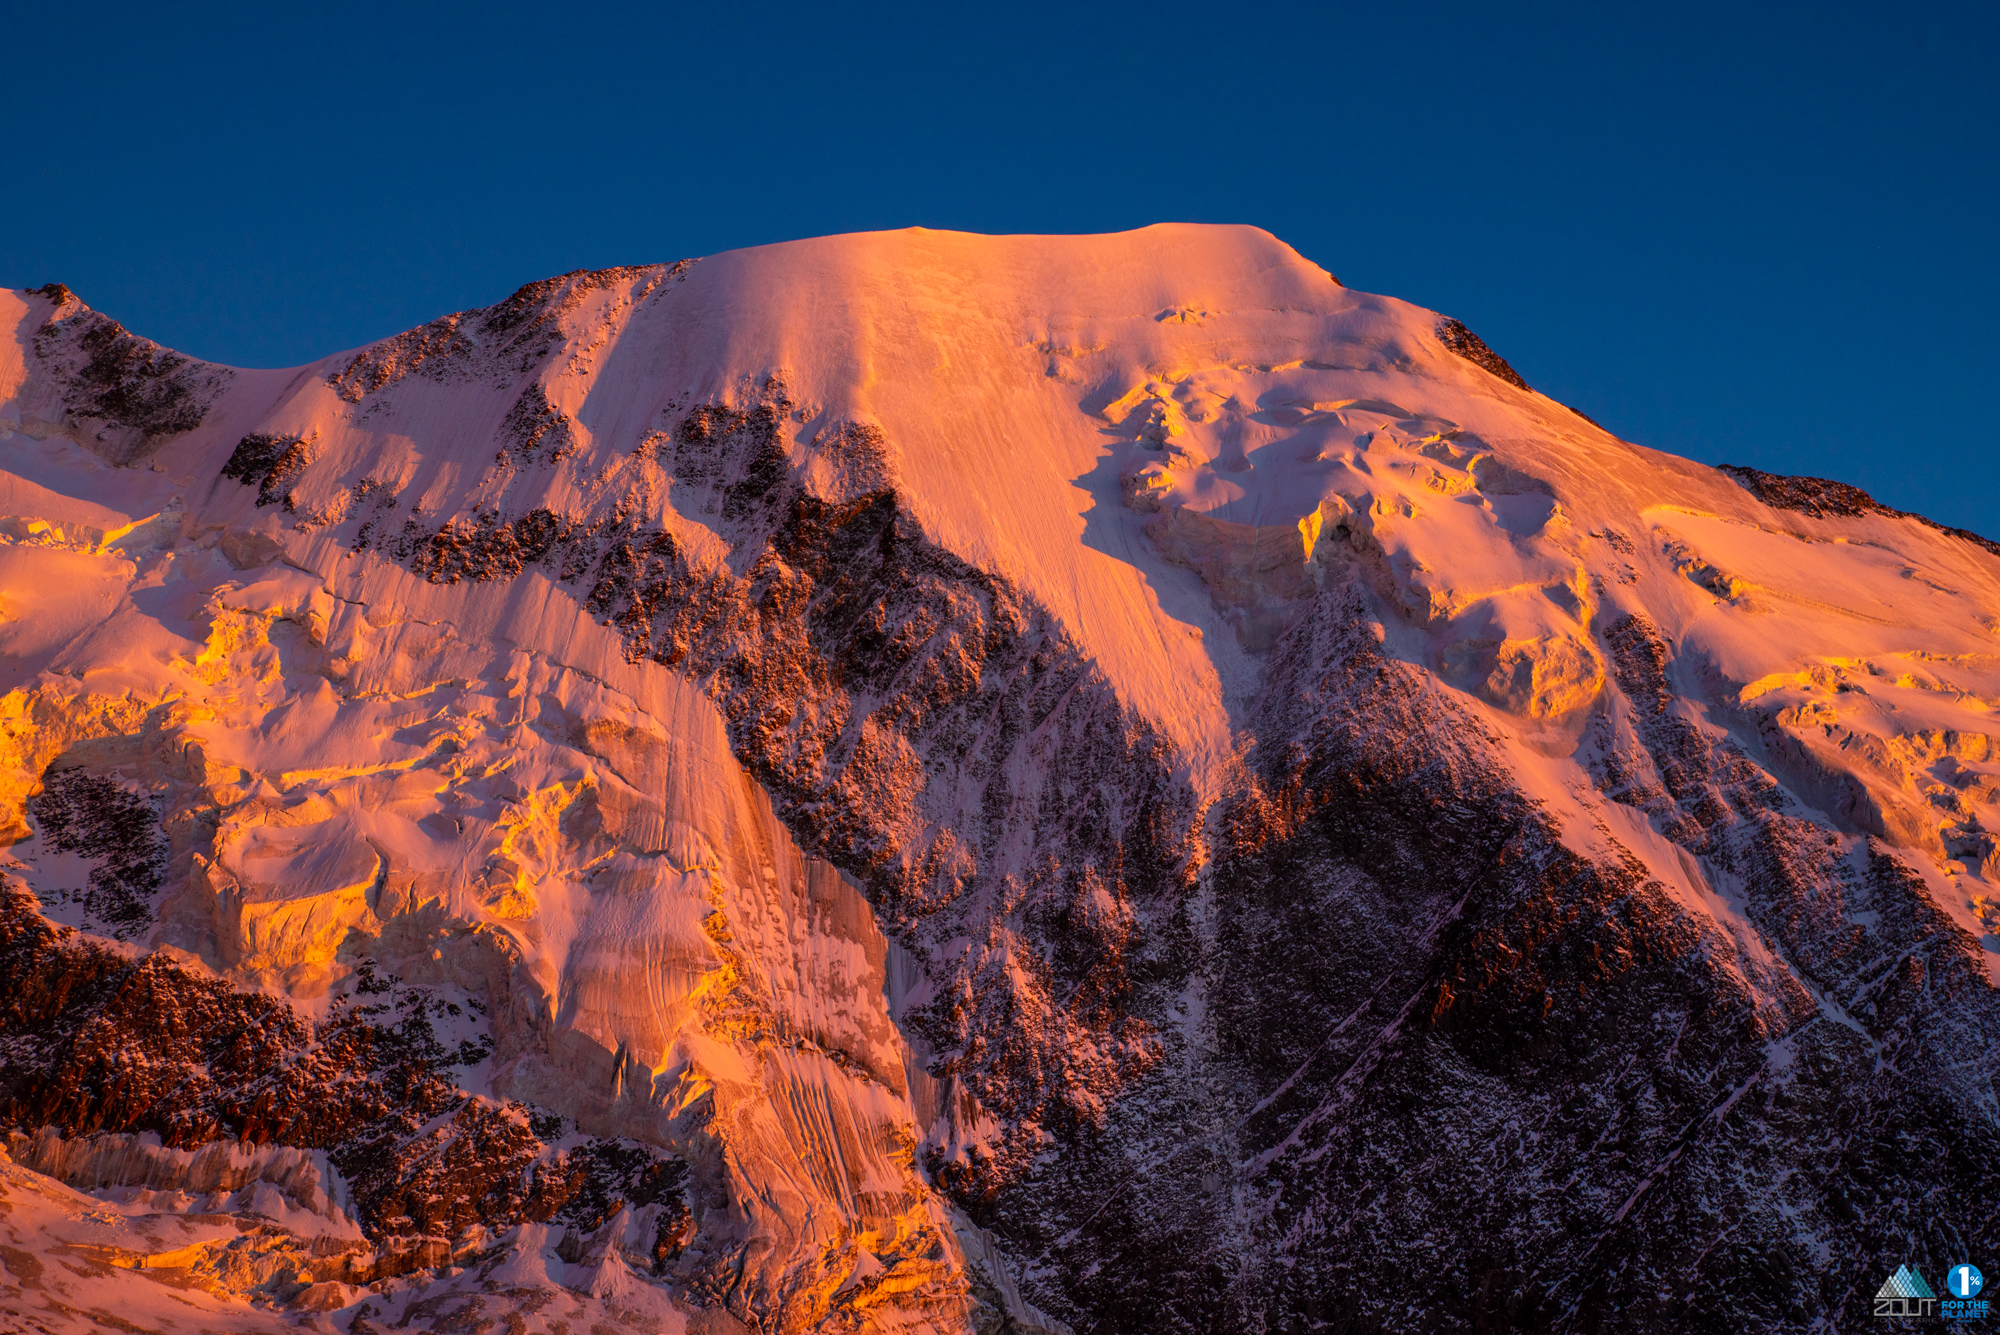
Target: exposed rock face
x,y
1535,1072
1454,335
1823,498
1815,496
95,819
269,463
123,392
370,1086
920,782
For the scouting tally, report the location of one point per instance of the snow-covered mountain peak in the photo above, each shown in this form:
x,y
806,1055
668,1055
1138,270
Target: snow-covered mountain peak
x,y
901,779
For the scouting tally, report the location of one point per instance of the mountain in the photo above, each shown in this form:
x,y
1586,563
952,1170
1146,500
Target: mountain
x,y
925,782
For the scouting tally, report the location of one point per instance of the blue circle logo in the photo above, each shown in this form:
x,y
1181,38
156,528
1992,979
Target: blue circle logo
x,y
1964,1281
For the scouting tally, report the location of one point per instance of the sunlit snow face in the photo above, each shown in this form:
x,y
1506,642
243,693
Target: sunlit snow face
x,y
1298,463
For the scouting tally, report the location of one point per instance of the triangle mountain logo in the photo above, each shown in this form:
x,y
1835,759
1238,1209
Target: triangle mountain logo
x,y
1905,1283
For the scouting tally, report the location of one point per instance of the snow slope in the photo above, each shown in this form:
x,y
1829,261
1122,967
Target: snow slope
x,y
864,717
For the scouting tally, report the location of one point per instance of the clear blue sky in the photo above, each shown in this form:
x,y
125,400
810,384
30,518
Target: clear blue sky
x,y
1746,233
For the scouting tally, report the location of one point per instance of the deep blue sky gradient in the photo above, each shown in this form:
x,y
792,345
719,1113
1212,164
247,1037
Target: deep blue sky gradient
x,y
1745,233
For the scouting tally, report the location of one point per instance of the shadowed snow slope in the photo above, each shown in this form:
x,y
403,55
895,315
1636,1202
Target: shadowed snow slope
x,y
918,781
